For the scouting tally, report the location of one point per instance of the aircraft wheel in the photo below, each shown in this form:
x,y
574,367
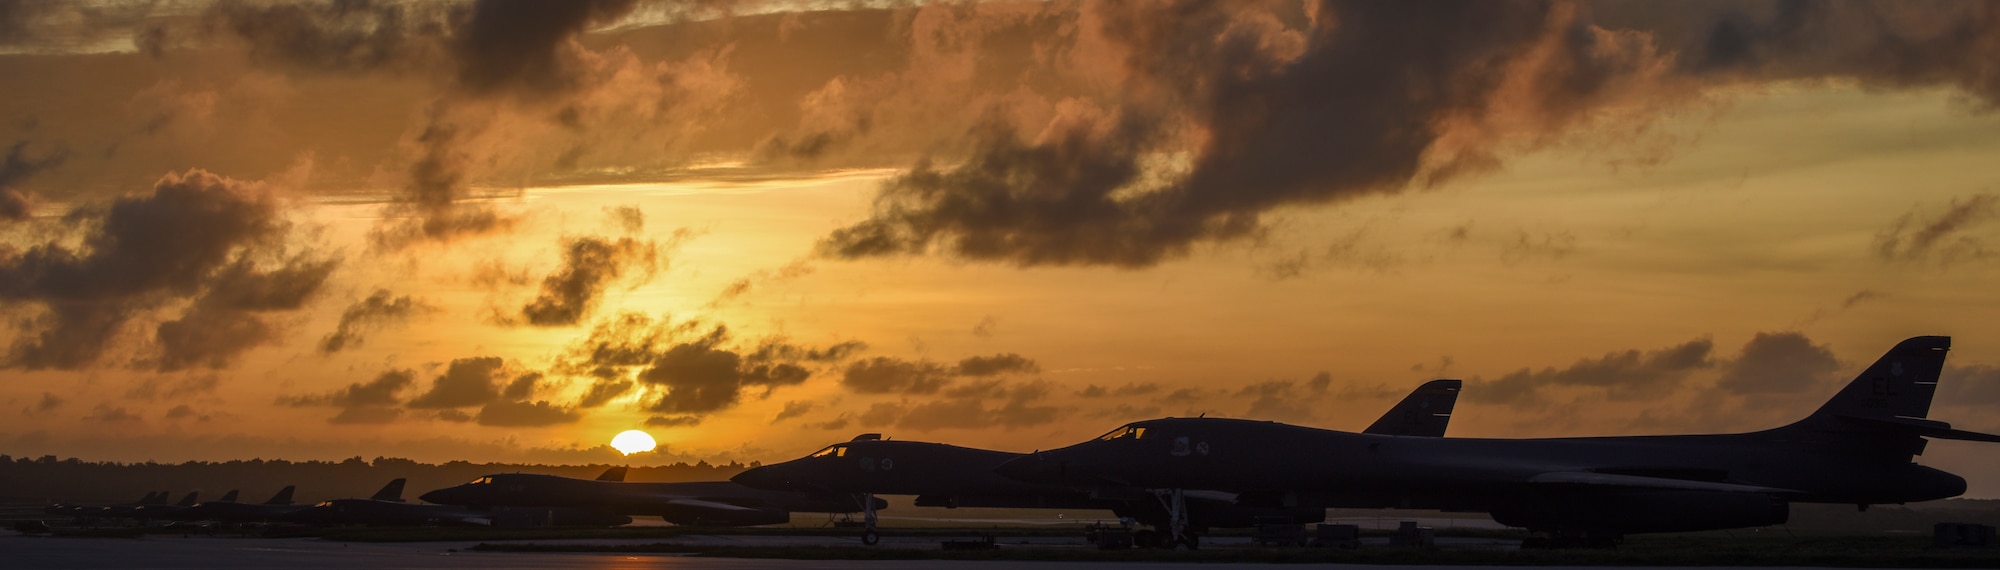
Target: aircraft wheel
x,y
1192,542
1146,539
870,538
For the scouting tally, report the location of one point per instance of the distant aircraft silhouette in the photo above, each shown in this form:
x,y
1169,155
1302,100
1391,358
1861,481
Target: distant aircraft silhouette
x,y
115,509
158,511
233,512
1855,449
387,508
952,476
702,503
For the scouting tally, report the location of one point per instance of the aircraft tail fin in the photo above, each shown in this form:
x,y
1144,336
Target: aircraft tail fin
x,y
284,496
189,500
1889,403
1426,412
157,498
613,474
1898,385
229,497
391,492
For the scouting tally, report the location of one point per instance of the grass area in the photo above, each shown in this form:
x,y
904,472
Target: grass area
x,y
1691,550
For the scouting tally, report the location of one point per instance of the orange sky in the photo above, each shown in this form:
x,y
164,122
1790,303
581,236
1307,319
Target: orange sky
x,y
288,231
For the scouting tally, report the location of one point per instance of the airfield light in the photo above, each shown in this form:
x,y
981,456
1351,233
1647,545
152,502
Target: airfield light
x,y
633,441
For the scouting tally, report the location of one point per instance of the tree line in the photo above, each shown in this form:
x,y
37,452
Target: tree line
x,y
49,479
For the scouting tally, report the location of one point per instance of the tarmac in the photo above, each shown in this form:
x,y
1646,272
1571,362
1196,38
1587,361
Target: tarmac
x,y
173,553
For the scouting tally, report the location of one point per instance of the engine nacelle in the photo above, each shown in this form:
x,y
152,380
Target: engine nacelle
x,y
1635,511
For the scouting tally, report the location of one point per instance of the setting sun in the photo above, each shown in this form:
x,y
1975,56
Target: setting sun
x,y
633,441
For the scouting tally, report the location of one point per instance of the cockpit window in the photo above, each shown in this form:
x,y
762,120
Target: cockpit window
x,y
482,481
1124,432
832,450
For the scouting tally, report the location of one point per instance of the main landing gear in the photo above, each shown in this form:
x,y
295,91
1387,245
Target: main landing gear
x,y
1176,534
868,534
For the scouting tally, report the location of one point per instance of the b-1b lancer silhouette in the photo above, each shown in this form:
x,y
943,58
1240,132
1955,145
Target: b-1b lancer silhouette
x,y
699,503
942,475
387,508
110,510
228,510
1856,449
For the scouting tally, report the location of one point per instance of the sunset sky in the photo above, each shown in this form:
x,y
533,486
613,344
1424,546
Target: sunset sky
x,y
506,231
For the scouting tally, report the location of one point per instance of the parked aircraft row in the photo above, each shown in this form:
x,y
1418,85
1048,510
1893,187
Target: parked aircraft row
x,y
515,499
1198,473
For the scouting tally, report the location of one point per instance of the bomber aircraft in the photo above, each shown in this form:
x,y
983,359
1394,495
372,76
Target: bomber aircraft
x,y
152,498
1581,491
699,503
942,475
387,508
229,511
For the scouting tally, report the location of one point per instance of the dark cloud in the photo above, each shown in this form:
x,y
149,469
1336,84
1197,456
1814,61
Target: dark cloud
x,y
1625,375
1945,236
526,45
590,264
526,414
49,402
980,405
743,286
184,411
986,327
1779,363
58,25
343,36
431,206
1005,363
1265,106
1286,115
1860,297
227,319
686,368
466,382
885,375
522,387
1285,400
174,387
453,415
603,391
489,47
105,413
375,402
1130,389
380,308
1976,387
1880,44
216,241
699,377
493,64
18,166
628,218
795,408
673,421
